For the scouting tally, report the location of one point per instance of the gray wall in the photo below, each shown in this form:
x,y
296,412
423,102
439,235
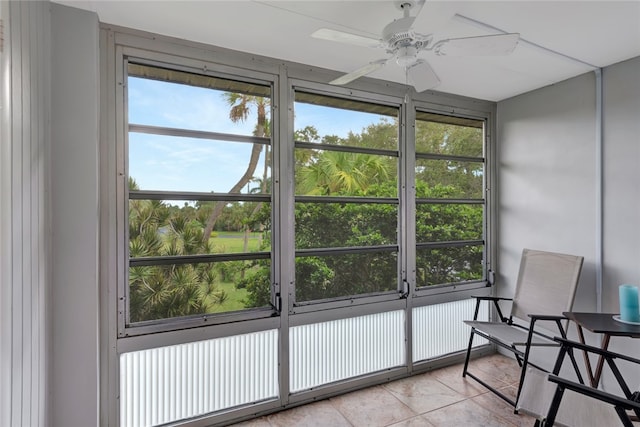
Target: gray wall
x,y
546,179
621,191
621,184
74,215
547,182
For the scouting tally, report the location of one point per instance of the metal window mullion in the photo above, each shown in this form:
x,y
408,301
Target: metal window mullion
x,y
346,199
195,259
447,157
487,217
449,244
199,134
408,205
346,148
429,201
188,195
283,219
122,190
346,250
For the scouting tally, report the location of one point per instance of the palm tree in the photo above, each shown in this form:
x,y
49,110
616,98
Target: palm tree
x,y
241,105
337,172
164,291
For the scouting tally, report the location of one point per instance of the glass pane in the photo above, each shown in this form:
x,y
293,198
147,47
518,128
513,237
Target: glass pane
x,y
358,126
183,105
449,179
174,228
211,163
166,291
344,275
338,173
333,225
344,122
448,265
449,139
448,222
167,163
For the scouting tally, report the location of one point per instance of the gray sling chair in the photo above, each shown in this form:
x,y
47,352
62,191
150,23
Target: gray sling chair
x,y
558,401
545,288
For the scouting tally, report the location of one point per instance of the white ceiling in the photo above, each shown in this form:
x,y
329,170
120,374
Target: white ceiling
x,y
598,33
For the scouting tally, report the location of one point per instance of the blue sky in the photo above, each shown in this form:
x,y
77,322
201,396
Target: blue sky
x,y
190,164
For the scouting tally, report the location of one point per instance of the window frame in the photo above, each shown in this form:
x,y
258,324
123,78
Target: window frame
x,y
424,293
123,57
386,101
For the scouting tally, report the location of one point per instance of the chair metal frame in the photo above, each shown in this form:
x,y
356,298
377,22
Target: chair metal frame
x,y
533,337
630,401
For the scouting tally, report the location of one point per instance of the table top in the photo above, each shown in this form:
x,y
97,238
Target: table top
x,y
603,323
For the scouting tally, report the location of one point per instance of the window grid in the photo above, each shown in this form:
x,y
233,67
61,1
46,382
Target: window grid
x,y
450,202
365,214
175,272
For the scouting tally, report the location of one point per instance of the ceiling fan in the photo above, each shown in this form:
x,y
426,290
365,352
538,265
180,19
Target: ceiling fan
x,y
403,44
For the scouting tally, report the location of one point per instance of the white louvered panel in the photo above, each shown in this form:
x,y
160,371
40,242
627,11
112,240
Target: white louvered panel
x,y
167,384
25,215
439,329
322,353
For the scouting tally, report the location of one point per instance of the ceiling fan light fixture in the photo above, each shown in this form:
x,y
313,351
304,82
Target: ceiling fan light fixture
x,y
406,56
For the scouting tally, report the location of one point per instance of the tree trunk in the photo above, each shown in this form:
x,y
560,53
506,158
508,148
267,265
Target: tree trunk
x,y
217,209
251,168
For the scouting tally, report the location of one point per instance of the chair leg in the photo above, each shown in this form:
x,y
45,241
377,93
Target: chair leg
x,y
466,359
523,367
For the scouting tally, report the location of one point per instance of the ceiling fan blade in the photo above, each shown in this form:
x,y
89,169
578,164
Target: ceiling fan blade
x,y
499,44
422,77
362,71
348,38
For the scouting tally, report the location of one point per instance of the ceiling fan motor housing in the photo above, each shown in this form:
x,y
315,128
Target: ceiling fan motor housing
x,y
399,32
401,40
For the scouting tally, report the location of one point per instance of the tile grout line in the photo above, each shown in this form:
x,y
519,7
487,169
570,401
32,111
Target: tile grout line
x,y
490,407
330,400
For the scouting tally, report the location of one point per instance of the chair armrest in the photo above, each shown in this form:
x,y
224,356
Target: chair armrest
x,y
495,301
489,298
596,350
550,317
595,393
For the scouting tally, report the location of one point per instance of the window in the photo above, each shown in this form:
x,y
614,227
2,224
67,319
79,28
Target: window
x,y
236,186
346,198
450,203
198,162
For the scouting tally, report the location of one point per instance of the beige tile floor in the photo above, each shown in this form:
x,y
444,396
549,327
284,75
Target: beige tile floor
x,y
440,398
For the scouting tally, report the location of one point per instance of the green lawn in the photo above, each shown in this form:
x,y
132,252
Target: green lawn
x,y
235,298
233,242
